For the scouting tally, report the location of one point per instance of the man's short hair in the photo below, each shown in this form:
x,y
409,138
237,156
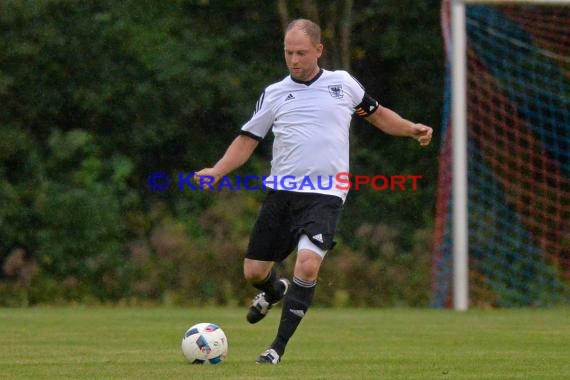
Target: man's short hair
x,y
310,28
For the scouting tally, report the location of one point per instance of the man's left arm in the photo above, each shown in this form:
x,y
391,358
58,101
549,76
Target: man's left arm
x,y
391,123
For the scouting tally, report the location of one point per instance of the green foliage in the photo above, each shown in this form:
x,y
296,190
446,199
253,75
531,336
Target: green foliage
x,y
96,95
401,64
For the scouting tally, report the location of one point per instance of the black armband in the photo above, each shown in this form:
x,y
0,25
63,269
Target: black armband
x,y
367,106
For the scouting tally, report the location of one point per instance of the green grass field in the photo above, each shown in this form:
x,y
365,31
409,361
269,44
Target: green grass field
x,y
144,343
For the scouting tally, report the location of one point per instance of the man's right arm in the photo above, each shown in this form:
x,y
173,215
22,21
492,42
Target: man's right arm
x,y
237,154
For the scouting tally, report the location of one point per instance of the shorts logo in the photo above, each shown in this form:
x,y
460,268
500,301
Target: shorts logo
x,y
336,91
318,237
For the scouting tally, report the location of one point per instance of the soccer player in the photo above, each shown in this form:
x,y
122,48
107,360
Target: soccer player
x,y
309,112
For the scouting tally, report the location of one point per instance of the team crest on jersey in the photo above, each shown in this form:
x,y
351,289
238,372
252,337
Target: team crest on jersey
x,y
336,91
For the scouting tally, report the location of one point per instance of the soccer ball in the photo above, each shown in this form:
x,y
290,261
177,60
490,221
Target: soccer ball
x,y
205,343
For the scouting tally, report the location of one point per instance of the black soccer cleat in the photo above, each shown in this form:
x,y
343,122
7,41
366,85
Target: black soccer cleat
x,y
260,306
270,356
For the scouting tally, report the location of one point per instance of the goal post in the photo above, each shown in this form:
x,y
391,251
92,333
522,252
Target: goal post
x,y
459,149
509,91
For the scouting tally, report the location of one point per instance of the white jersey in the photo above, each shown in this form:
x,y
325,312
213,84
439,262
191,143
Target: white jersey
x,y
310,121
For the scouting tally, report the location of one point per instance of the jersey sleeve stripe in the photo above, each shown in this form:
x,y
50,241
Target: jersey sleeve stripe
x,y
251,135
357,81
259,102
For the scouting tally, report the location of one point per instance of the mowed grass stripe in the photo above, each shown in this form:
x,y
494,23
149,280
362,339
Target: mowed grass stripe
x,y
144,343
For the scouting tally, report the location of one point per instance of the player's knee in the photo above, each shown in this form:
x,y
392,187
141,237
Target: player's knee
x,y
255,271
307,265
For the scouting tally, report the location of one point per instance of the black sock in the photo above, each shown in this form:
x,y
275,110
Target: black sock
x,y
272,287
295,305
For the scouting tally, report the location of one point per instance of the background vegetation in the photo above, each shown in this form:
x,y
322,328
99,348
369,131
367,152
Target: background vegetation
x,y
95,95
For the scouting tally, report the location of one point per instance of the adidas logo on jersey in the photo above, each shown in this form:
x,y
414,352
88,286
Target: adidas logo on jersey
x,y
318,237
290,97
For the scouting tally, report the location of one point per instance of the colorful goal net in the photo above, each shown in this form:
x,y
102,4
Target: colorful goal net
x,y
518,128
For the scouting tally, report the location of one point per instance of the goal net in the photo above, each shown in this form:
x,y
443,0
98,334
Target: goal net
x,y
518,154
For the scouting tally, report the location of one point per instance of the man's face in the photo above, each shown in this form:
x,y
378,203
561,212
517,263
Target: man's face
x,y
301,55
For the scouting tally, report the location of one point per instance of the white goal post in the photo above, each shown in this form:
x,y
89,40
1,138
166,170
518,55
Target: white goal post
x,y
459,145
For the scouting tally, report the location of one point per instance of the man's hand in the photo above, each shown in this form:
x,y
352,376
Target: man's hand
x,y
236,155
422,133
207,178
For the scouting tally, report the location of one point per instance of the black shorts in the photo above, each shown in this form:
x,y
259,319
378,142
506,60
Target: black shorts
x,y
285,216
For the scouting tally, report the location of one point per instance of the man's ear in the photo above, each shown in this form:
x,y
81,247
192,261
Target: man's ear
x,y
320,47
